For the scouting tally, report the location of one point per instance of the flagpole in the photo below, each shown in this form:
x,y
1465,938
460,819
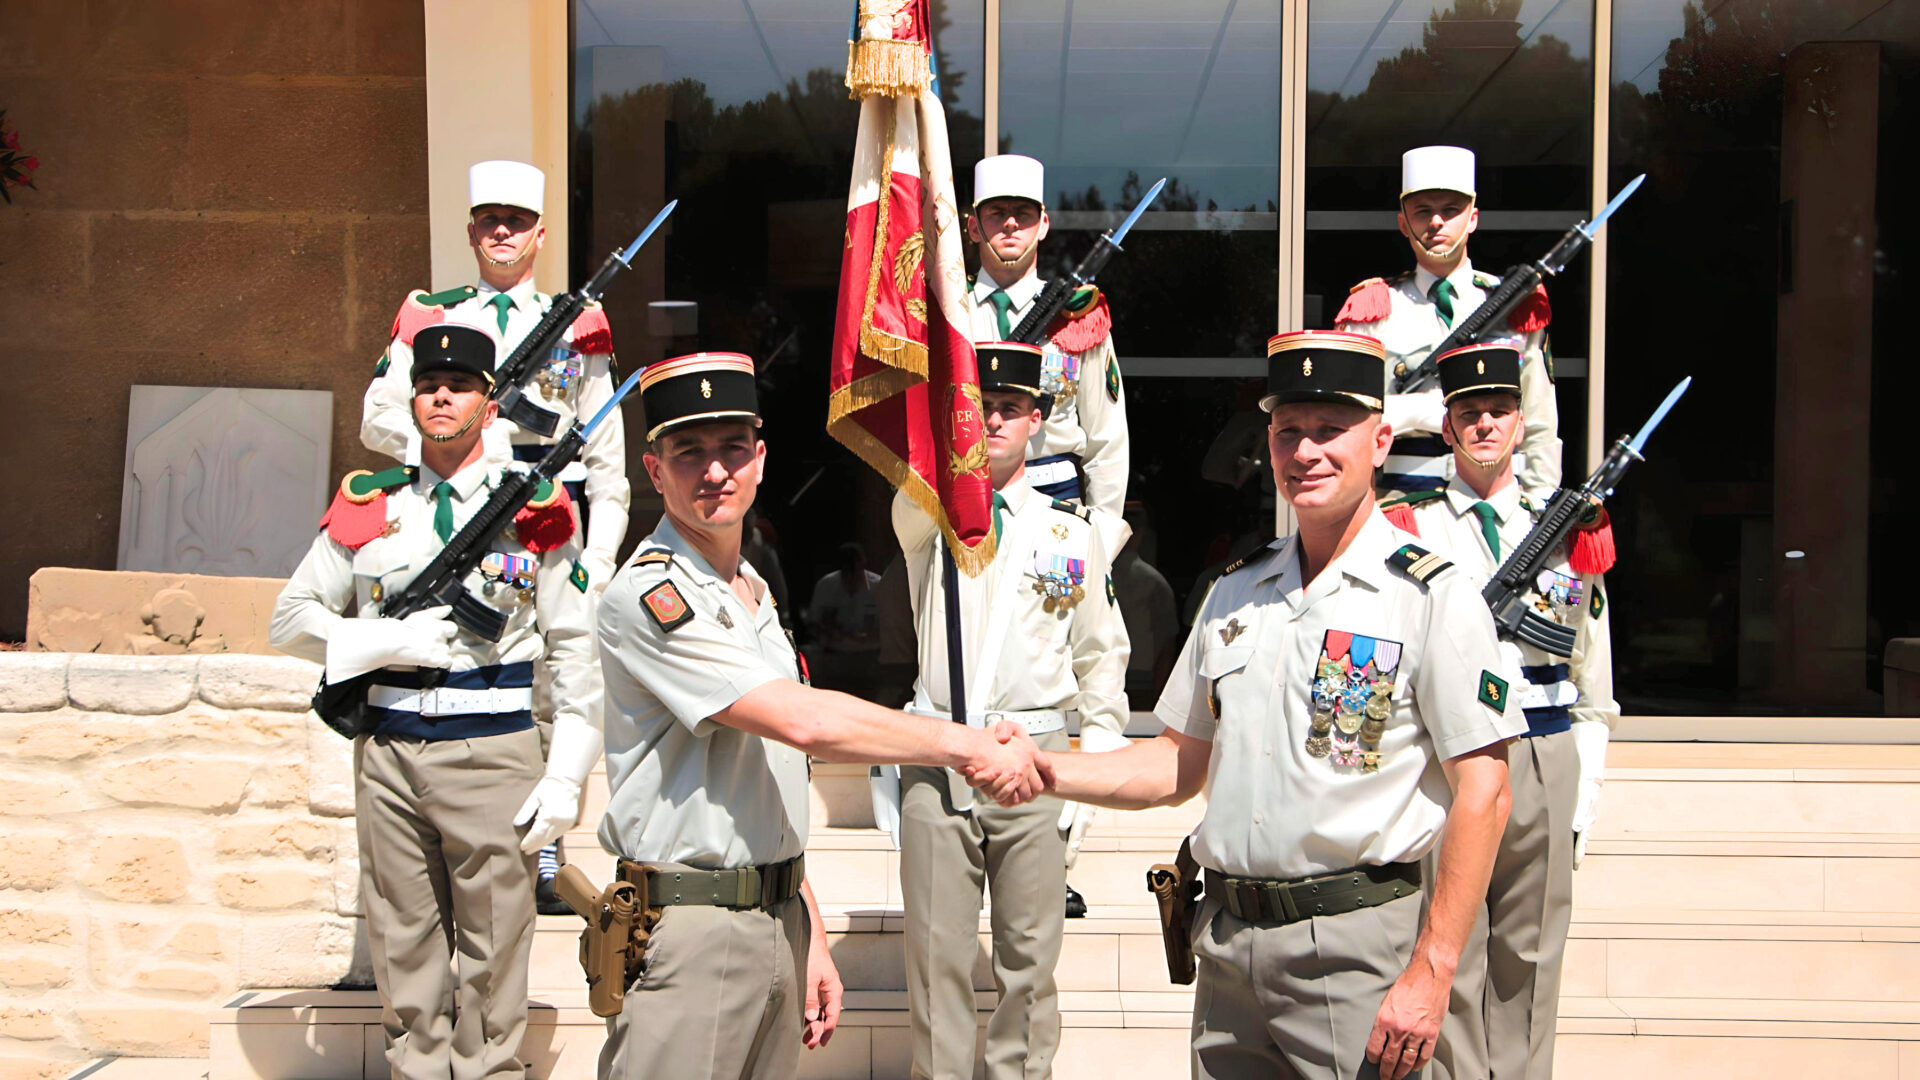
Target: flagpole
x,y
956,647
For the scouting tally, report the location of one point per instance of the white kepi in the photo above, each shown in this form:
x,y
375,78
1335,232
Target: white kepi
x,y
1437,168
1005,176
506,183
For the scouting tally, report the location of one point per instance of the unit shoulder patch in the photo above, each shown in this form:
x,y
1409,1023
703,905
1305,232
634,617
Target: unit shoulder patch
x,y
1599,602
1493,691
664,604
578,577
1417,563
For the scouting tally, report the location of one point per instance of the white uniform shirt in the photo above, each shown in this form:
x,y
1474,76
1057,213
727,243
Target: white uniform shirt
x,y
686,788
551,618
1073,657
1274,810
1581,684
1089,417
1410,331
386,420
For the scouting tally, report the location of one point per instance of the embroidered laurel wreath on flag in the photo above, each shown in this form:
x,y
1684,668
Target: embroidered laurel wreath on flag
x,y
905,390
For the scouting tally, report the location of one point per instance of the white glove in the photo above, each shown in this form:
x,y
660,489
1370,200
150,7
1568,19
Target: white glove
x,y
1075,817
1417,413
554,805
1590,743
423,639
883,786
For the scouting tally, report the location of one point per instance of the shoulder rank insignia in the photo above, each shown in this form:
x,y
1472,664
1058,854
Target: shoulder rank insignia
x,y
1493,691
546,522
1076,509
578,578
1417,563
666,606
1083,322
656,557
359,510
1369,301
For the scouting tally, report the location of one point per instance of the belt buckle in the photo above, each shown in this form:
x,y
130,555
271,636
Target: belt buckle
x,y
430,702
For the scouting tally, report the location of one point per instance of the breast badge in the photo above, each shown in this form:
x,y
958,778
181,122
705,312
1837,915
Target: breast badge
x,y
1352,697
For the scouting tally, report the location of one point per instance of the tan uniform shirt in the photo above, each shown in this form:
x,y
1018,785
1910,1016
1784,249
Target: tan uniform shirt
x,y
1582,685
386,419
1247,682
687,788
1089,417
1072,657
1410,331
551,617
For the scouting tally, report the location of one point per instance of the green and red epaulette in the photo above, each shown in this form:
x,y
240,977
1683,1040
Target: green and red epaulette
x,y
591,333
546,522
422,309
359,510
1367,302
1590,549
1533,313
1084,322
1399,509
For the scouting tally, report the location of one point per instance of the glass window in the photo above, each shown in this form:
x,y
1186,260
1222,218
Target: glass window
x,y
1764,562
740,112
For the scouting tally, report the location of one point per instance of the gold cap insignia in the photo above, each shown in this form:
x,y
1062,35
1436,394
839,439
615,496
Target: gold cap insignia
x,y
1479,367
706,388
993,364
1306,366
444,339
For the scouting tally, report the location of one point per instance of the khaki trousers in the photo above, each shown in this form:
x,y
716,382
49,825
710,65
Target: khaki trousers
x,y
721,996
1295,1001
945,857
1506,991
443,881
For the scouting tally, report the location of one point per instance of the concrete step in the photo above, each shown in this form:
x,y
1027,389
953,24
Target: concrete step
x,y
131,1068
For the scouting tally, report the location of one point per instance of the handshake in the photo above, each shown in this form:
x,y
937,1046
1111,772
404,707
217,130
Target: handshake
x,y
1009,767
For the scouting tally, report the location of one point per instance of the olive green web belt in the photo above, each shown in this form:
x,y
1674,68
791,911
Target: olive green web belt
x,y
746,888
1267,900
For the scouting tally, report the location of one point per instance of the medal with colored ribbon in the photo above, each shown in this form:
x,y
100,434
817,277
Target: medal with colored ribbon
x,y
1352,697
1060,580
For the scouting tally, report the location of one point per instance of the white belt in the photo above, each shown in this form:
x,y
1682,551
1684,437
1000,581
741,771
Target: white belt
x,y
1549,695
575,472
1052,472
447,701
1404,465
1036,721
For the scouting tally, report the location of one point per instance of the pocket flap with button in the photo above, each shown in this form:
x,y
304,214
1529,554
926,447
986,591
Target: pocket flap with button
x,y
1222,660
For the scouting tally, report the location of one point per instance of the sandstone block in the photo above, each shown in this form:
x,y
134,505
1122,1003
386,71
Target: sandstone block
x,y
263,890
235,727
297,951
365,148
132,684
295,836
39,795
32,860
201,939
198,783
278,785
33,682
329,771
281,683
38,972
19,1067
138,869
180,978
28,1024
70,734
137,1026
146,613
22,926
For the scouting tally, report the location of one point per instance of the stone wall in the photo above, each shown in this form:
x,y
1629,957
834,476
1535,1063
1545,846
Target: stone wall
x,y
172,829
230,194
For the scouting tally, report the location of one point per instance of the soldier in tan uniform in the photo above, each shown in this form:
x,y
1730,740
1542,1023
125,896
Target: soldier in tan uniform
x,y
445,870
1506,993
1341,698
1044,640
504,227
709,731
1413,312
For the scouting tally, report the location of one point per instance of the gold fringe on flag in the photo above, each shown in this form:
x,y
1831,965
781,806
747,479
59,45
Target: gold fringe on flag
x,y
890,68
971,561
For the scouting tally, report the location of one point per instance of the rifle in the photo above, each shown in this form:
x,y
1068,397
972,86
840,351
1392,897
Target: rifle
x,y
1506,592
510,378
1517,285
1052,299
443,581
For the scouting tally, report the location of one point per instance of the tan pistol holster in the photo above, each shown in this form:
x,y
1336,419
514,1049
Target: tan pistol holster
x,y
1176,888
614,943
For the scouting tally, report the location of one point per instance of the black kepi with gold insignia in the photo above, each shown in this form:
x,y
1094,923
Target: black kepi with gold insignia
x,y
1010,365
698,388
453,347
1487,368
1325,365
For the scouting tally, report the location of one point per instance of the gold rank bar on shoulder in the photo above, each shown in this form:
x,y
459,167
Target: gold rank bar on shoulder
x,y
1417,563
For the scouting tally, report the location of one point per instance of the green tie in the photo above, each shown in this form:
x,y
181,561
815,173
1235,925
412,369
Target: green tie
x,y
502,302
443,510
1489,525
999,504
1002,303
1442,301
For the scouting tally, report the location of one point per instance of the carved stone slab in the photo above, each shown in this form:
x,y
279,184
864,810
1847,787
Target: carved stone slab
x,y
223,481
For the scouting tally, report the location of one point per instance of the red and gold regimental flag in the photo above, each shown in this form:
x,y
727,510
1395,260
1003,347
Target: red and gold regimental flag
x,y
905,391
